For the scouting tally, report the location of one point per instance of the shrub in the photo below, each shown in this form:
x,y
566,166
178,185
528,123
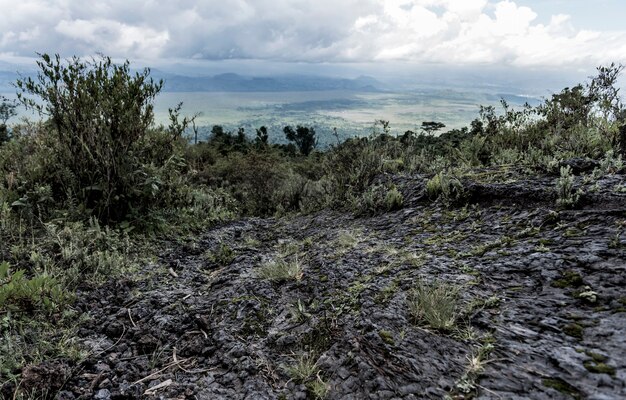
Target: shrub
x,y
445,186
224,255
350,169
303,137
566,196
394,199
100,117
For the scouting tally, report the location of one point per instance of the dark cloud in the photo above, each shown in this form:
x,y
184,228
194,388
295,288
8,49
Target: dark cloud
x,y
440,31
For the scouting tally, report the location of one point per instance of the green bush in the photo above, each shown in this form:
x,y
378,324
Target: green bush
x,y
281,270
100,116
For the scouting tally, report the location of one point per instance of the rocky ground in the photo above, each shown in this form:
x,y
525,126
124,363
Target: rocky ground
x,y
540,312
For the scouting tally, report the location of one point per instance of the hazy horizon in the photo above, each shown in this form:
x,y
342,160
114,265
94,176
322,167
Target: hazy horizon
x,y
475,50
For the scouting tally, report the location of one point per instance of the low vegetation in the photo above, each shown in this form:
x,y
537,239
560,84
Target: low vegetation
x,y
436,305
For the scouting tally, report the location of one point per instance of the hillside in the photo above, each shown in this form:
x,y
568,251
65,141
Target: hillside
x,y
538,308
481,262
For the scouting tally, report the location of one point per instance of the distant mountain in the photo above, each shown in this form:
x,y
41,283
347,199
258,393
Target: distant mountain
x,y
231,82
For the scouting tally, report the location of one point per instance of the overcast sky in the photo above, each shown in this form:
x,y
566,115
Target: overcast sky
x,y
522,33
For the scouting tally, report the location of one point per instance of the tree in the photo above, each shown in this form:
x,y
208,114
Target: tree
x,y
262,136
7,110
100,114
604,91
570,107
303,137
431,127
490,122
608,103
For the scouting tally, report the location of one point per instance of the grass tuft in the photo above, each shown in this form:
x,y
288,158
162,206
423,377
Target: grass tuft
x,y
435,305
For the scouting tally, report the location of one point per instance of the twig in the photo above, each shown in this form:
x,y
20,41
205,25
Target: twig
x,y
172,272
131,319
152,375
114,344
487,390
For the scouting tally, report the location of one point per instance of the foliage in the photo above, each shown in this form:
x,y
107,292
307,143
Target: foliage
x,y
430,127
303,137
224,255
7,110
99,119
305,370
394,199
39,293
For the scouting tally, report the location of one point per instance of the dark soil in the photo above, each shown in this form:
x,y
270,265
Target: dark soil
x,y
543,293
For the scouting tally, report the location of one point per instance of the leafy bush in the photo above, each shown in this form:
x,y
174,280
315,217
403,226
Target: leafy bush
x,y
7,110
303,137
377,198
394,199
100,116
223,256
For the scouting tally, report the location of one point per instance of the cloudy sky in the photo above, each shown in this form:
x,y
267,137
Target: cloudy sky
x,y
521,33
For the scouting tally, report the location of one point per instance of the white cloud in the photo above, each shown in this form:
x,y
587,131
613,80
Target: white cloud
x,y
432,31
108,36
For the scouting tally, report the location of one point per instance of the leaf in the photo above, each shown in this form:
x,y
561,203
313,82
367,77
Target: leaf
x,y
4,269
20,203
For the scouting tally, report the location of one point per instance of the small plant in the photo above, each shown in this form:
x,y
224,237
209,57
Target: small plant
x,y
224,255
435,304
566,196
475,366
304,368
394,199
306,371
281,270
318,388
39,293
299,312
347,239
447,187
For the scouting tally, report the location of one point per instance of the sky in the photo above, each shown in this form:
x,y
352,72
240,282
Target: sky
x,y
534,34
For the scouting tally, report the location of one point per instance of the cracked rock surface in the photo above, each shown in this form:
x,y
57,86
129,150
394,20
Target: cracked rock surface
x,y
541,305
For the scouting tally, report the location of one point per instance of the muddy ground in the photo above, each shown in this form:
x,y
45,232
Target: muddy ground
x,y
542,306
